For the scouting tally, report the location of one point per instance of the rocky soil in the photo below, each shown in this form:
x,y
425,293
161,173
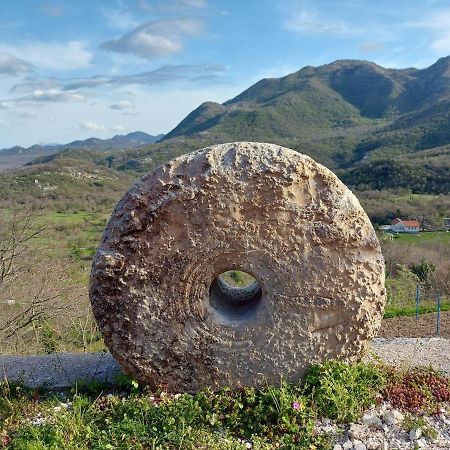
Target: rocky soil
x,y
384,428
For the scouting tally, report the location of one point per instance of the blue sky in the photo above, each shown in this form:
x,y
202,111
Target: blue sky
x,y
80,68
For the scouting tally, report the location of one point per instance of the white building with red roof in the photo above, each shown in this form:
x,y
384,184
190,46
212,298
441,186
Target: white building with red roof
x,y
405,226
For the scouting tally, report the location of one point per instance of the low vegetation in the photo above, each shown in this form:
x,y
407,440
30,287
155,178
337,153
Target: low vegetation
x,y
127,416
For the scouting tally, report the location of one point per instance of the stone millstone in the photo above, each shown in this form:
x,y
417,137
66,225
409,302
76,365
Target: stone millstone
x,y
263,209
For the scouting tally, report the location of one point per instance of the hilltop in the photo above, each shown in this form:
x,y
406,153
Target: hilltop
x,y
17,156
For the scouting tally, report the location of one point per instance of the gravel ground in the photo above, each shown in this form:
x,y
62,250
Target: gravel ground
x,y
410,352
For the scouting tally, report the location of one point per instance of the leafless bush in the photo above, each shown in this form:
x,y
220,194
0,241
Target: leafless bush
x,y
34,289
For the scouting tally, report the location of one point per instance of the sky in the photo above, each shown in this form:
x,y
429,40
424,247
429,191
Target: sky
x,y
72,69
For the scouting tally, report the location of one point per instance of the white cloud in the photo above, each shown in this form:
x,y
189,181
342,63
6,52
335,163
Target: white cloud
x,y
120,19
52,55
118,128
309,22
5,104
52,10
370,46
27,115
130,112
86,125
10,65
194,3
155,39
122,104
52,95
439,25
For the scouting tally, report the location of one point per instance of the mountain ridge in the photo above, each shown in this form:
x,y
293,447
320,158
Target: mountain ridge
x,y
400,108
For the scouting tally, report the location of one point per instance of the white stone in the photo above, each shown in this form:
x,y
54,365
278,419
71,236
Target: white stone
x,y
360,446
422,443
372,421
415,434
337,447
393,417
357,431
347,445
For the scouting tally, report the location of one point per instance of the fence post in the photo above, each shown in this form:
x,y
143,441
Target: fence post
x,y
438,318
417,301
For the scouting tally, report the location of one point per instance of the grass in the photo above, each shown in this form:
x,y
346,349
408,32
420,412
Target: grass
x,y
410,311
440,237
128,416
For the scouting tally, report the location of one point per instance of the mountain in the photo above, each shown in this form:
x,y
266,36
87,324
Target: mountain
x,y
17,156
340,113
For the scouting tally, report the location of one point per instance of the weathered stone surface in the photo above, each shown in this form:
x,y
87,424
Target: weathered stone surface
x,y
259,208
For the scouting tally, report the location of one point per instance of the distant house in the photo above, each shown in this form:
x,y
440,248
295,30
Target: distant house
x,y
405,226
447,223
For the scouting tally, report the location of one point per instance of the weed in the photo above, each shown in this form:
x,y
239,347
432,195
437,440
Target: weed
x,y
342,391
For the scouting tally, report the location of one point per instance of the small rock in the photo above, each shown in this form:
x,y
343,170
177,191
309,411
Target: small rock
x,y
372,421
393,417
357,431
358,445
57,408
415,434
326,421
347,445
421,443
337,447
383,446
372,444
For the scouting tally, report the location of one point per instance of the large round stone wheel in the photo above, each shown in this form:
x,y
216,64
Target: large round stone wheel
x,y
169,317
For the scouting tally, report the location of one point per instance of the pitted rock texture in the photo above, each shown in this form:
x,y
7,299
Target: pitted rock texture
x,y
260,208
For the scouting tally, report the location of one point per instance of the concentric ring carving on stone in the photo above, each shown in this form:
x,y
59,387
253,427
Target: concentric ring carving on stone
x,y
260,208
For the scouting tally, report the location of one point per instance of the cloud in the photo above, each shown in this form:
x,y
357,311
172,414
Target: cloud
x,y
165,74
40,96
10,65
52,95
130,112
194,3
309,22
118,128
86,125
52,10
438,24
122,104
120,19
52,55
368,47
154,39
4,104
126,107
27,115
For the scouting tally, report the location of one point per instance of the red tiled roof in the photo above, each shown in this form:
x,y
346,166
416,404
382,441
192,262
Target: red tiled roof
x,y
408,223
411,223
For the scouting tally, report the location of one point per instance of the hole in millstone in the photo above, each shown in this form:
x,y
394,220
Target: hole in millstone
x,y
236,295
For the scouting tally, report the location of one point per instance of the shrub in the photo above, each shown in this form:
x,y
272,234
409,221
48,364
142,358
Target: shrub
x,y
342,391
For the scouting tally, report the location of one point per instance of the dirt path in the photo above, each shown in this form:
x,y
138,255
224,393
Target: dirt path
x,y
409,327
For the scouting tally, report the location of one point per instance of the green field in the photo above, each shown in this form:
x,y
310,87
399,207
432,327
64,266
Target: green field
x,y
440,237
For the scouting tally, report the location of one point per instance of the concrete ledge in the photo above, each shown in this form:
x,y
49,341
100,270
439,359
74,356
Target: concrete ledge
x,y
60,370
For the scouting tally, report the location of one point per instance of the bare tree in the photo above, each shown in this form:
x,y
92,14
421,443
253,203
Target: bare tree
x,y
32,288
